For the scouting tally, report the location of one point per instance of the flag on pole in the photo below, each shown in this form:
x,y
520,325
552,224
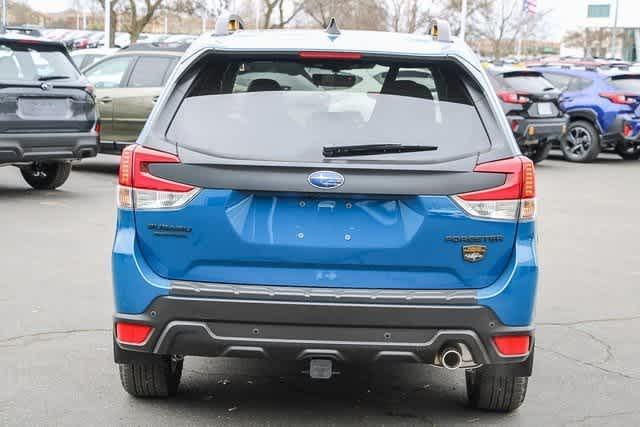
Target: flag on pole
x,y
530,6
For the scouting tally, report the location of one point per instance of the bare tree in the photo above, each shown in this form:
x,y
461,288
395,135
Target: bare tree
x,y
278,13
503,23
139,17
595,42
353,14
451,11
407,15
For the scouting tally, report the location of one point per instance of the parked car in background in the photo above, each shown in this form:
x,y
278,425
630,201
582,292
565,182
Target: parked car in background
x,y
127,85
597,102
346,222
95,39
27,30
86,57
530,103
71,38
48,114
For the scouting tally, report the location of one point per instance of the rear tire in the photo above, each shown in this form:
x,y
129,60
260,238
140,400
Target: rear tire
x,y
498,393
46,175
582,142
151,376
541,152
628,151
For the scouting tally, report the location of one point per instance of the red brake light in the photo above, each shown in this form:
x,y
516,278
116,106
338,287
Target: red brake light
x,y
29,41
513,98
519,184
627,130
330,55
132,333
98,127
618,98
134,170
512,345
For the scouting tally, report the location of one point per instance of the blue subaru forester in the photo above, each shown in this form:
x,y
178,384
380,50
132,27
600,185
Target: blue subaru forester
x,y
327,197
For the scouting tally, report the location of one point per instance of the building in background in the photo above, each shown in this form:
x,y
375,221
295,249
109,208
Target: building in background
x,y
602,18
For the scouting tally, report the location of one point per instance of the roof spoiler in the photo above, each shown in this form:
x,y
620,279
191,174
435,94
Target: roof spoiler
x,y
440,30
228,23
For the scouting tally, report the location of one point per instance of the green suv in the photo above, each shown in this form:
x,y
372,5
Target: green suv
x,y
127,85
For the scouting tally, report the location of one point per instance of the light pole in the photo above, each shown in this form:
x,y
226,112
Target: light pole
x,y
4,13
463,19
613,31
107,23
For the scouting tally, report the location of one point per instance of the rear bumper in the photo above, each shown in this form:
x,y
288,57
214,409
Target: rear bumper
x,y
530,131
291,322
32,147
299,330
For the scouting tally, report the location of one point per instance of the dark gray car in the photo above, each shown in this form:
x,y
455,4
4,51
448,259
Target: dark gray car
x,y
48,115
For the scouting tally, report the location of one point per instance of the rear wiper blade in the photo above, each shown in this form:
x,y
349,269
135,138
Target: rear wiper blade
x,y
45,78
373,149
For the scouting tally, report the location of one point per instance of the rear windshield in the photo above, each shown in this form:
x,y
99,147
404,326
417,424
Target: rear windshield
x,y
531,83
288,110
33,62
630,83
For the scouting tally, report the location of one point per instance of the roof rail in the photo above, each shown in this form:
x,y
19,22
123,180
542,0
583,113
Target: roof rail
x,y
440,30
228,23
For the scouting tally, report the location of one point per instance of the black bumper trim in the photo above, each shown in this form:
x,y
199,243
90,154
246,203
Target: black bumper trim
x,y
544,127
294,330
31,147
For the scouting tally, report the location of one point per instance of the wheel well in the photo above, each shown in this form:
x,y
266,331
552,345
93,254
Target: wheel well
x,y
585,116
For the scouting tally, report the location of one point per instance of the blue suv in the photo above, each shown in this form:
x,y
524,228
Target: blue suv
x,y
327,197
598,102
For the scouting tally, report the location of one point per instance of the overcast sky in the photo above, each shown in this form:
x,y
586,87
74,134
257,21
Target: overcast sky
x,y
565,14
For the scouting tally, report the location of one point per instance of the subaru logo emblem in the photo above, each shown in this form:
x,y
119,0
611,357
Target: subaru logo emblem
x,y
45,86
326,179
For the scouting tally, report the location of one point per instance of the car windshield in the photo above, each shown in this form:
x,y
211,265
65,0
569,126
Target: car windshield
x,y
630,83
288,110
33,62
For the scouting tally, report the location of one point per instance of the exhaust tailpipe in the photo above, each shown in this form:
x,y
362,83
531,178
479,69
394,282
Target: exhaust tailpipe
x,y
451,358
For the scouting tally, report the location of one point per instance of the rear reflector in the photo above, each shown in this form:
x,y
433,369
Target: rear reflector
x,y
515,199
512,345
331,55
140,189
627,130
132,333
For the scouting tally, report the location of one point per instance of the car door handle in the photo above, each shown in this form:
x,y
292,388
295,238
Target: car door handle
x,y
106,99
155,99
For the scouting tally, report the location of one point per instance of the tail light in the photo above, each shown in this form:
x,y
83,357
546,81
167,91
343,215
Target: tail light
x,y
139,189
515,199
330,55
627,130
513,98
512,345
514,125
618,98
132,333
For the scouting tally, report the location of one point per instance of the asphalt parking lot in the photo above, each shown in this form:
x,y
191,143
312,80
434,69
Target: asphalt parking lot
x,y
56,307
